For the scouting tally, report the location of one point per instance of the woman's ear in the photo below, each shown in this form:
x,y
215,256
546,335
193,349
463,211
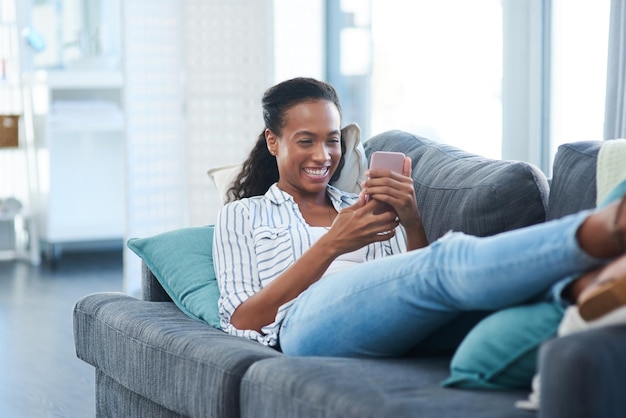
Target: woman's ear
x,y
272,141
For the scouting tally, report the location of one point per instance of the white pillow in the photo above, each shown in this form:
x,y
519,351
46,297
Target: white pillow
x,y
352,174
610,169
223,178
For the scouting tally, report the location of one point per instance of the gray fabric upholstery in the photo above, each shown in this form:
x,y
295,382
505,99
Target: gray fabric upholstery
x,y
114,400
580,372
150,286
584,375
359,388
460,191
573,185
155,350
153,360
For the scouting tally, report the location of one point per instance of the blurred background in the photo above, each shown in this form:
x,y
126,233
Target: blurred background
x,y
123,106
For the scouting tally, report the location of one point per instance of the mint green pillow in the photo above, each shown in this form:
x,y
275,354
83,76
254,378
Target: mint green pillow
x,y
182,262
500,352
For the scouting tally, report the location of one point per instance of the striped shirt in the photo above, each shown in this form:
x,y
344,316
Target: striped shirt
x,y
256,239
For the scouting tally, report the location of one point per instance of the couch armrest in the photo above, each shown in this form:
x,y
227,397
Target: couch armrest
x,y
584,375
156,351
150,286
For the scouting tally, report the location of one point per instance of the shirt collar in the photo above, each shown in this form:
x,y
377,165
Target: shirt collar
x,y
339,198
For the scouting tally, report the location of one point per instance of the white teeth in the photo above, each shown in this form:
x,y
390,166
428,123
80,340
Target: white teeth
x,y
316,172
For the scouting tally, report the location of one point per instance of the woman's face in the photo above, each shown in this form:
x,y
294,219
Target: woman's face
x,y
309,147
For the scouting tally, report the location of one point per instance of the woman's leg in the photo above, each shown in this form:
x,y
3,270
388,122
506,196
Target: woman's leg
x,y
386,307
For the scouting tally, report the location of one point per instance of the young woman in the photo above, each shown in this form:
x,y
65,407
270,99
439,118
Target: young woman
x,y
308,267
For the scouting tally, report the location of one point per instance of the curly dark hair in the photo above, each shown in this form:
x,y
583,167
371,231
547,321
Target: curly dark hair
x,y
259,170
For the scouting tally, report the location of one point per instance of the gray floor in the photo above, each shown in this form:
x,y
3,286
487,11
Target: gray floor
x,y
40,375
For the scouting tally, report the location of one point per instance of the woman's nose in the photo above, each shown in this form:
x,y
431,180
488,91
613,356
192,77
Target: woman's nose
x,y
321,153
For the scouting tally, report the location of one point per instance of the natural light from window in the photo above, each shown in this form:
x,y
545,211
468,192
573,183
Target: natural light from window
x,y
437,71
579,62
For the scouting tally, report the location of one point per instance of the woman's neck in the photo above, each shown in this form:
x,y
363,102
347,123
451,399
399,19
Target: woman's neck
x,y
317,210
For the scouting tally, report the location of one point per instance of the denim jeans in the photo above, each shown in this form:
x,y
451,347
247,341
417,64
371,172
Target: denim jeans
x,y
388,306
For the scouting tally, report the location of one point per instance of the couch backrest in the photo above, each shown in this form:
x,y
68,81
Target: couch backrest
x,y
461,191
573,185
151,289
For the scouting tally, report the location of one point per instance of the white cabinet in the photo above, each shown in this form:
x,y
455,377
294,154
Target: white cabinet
x,y
79,136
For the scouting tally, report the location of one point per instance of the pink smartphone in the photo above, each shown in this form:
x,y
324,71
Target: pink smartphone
x,y
386,160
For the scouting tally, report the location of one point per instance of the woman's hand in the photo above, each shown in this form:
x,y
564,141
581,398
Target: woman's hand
x,y
353,228
357,226
397,190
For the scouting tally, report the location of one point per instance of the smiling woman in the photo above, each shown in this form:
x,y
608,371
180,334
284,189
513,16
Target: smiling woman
x,y
260,170
307,150
300,227
315,270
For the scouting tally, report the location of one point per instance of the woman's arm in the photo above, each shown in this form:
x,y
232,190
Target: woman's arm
x,y
354,227
260,309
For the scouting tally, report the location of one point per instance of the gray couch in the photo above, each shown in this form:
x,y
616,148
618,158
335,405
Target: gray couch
x,y
151,360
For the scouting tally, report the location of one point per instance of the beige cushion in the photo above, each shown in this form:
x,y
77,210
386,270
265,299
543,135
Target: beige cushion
x,y
611,168
223,178
353,172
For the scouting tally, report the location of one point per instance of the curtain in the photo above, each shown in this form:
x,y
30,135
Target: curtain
x,y
615,109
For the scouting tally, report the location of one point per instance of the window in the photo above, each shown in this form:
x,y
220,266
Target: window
x,y
437,71
501,78
580,34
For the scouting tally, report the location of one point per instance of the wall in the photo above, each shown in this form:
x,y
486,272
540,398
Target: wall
x,y
194,73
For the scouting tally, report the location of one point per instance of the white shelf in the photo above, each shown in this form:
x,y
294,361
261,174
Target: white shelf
x,y
83,127
72,79
67,125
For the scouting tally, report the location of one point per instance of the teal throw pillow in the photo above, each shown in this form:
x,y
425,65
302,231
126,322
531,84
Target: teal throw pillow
x,y
500,352
182,262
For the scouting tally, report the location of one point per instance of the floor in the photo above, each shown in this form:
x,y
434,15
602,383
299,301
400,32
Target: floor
x,y
40,375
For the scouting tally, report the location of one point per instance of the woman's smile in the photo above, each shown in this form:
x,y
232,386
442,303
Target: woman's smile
x,y
317,173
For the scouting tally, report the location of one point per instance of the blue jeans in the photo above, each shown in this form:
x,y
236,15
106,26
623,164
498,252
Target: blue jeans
x,y
388,306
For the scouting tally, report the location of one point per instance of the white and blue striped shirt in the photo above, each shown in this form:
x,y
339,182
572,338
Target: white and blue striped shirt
x,y
258,238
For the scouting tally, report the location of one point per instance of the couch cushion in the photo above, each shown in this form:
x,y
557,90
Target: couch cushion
x,y
182,262
155,350
573,185
501,351
361,388
611,171
460,191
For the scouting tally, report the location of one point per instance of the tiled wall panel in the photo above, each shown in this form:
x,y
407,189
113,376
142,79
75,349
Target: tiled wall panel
x,y
194,75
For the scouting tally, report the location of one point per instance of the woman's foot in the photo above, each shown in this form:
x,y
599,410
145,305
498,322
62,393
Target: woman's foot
x,y
573,291
603,233
606,293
